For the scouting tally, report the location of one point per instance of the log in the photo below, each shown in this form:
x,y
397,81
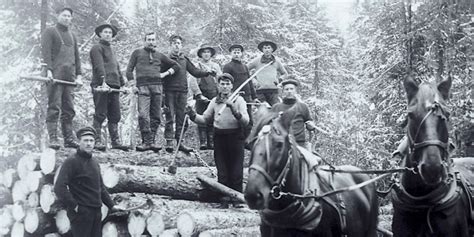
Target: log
x,y
245,231
20,191
222,188
18,211
170,233
38,223
47,198
112,229
193,222
62,222
169,209
33,180
5,196
33,200
156,180
136,223
10,176
155,224
6,217
48,161
27,163
18,230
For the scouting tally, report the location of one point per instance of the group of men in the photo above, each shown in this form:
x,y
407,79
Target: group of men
x,y
162,85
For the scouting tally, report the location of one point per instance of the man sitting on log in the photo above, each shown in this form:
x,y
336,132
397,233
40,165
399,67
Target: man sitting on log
x,y
228,132
302,118
106,75
80,188
150,67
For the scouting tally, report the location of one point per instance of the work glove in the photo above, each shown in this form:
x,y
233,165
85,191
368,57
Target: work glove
x,y
310,126
190,112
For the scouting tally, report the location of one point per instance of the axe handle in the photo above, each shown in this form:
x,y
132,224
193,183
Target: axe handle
x,y
47,79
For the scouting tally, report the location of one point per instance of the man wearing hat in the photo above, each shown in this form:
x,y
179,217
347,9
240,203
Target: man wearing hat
x,y
208,87
240,72
176,93
106,74
60,56
302,119
267,80
150,68
228,132
79,187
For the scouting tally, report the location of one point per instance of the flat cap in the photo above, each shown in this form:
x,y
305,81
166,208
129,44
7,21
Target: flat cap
x,y
86,131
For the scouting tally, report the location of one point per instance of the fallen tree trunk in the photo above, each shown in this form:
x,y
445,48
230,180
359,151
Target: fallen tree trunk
x,y
242,231
156,180
193,222
222,188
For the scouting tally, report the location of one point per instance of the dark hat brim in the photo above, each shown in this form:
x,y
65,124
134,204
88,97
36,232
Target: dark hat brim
x,y
99,29
236,46
261,44
290,81
213,51
86,131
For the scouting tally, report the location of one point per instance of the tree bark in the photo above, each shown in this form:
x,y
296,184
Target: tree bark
x,y
193,222
243,231
222,188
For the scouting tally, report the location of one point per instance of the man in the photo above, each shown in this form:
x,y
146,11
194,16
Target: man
x,y
60,54
208,87
302,119
240,73
80,188
176,91
106,74
150,68
228,133
267,80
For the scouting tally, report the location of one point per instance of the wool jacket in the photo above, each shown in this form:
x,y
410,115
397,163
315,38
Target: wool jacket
x,y
105,66
268,77
79,182
148,64
240,72
302,115
179,80
225,120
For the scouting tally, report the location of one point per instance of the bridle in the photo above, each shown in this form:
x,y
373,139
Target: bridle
x,y
437,110
281,178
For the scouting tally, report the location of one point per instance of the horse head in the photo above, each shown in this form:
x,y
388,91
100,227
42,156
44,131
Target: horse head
x,y
427,129
269,162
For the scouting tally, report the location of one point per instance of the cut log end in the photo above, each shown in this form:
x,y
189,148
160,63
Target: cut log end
x,y
155,224
48,161
31,221
62,222
47,198
10,176
136,223
185,224
18,229
18,212
110,176
170,233
33,200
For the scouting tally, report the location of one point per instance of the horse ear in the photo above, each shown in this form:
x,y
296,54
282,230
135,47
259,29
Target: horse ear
x,y
444,86
410,87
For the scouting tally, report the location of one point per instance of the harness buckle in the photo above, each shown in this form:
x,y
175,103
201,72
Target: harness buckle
x,y
276,192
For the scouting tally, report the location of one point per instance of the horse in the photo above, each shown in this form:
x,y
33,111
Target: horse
x,y
285,188
429,201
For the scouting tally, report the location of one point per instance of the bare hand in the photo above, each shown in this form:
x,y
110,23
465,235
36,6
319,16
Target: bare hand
x,y
79,81
49,74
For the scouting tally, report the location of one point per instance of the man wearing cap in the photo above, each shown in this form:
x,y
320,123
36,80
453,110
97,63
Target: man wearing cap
x,y
80,188
267,80
106,74
228,132
240,73
60,56
208,87
176,93
302,119
150,68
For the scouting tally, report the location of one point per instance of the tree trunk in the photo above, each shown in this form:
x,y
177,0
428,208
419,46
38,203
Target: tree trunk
x,y
193,222
44,14
212,183
245,231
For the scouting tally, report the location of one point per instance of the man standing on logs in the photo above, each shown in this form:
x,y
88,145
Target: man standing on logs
x,y
268,79
302,117
106,75
60,54
150,68
176,93
240,73
228,133
80,188
208,86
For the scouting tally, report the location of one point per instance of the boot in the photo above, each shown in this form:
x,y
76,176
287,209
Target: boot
x,y
202,138
146,142
210,139
53,136
114,137
99,145
169,146
154,146
184,148
69,141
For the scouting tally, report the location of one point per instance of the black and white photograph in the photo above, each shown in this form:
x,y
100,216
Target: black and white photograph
x,y
237,118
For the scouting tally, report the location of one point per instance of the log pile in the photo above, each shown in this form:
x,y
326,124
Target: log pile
x,y
154,201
